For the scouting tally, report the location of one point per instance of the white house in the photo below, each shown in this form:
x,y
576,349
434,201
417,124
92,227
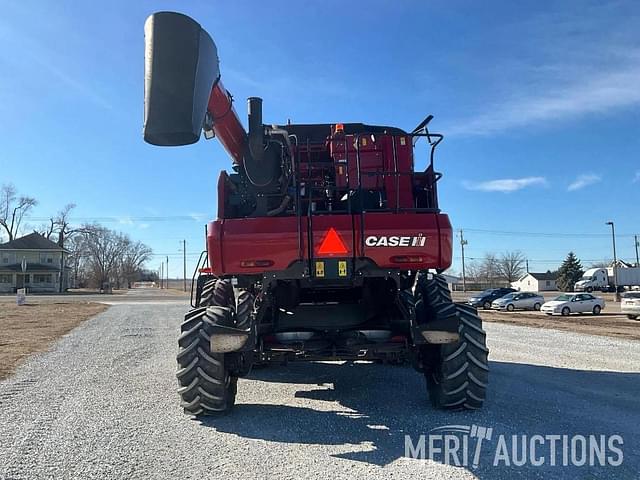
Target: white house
x,y
43,260
453,282
536,282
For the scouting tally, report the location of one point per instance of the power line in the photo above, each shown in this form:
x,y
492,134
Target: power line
x,y
544,234
124,219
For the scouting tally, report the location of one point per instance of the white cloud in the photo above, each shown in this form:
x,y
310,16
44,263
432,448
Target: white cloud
x,y
506,185
585,62
590,94
584,181
198,217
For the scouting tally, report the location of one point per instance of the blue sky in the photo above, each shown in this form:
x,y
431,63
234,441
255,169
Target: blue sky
x,y
539,103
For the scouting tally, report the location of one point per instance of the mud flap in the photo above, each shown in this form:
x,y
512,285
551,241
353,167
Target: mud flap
x,y
225,337
228,339
441,328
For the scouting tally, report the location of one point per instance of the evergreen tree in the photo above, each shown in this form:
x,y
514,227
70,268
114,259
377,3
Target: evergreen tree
x,y
569,273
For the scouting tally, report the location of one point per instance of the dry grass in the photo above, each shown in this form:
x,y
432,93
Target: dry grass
x,y
33,328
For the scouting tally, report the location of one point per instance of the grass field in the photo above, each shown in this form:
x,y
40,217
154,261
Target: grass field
x,y
33,328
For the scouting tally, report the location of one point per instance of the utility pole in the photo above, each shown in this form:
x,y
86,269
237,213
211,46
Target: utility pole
x,y
635,237
463,242
161,274
167,286
184,263
527,265
615,260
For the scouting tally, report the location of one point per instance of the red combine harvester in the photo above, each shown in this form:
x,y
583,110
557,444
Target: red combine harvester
x,y
328,245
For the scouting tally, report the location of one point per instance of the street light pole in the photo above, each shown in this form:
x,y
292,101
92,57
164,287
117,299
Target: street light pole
x,y
184,264
635,237
463,242
615,260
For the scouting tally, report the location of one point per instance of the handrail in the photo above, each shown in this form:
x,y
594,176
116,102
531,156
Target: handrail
x,y
433,139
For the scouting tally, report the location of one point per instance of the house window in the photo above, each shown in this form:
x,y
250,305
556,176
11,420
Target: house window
x,y
4,278
46,258
42,278
548,283
27,278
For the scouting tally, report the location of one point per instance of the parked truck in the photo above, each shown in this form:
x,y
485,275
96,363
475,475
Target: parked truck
x,y
604,279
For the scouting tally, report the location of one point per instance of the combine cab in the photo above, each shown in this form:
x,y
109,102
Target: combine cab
x,y
328,245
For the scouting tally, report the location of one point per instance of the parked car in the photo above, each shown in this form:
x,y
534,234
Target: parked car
x,y
518,300
484,299
568,303
630,305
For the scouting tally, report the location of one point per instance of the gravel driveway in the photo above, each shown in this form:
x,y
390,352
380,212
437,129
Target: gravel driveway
x,y
102,404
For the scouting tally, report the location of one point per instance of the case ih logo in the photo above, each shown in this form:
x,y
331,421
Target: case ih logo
x,y
395,241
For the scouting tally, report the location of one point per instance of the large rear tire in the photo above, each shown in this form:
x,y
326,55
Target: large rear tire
x,y
457,374
432,297
205,384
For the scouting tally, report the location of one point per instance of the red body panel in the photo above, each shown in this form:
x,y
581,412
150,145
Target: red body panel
x,y
232,241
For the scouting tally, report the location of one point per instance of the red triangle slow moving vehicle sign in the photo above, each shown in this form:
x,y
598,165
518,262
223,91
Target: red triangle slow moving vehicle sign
x,y
332,244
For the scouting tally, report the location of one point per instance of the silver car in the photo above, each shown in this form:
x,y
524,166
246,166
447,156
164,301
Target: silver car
x,y
630,305
518,300
569,303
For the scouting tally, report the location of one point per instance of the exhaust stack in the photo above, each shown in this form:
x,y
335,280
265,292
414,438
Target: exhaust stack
x,y
261,162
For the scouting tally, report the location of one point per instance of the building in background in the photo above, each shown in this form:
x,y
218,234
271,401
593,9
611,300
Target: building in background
x,y
43,262
536,282
455,283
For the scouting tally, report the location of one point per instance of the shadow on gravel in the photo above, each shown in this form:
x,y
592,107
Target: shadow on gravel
x,y
380,404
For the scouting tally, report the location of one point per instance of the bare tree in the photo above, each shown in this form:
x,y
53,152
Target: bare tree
x,y
47,230
77,259
133,260
473,271
60,225
13,208
511,266
101,256
105,249
490,269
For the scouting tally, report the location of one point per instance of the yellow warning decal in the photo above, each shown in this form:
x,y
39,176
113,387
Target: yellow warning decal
x,y
319,269
342,268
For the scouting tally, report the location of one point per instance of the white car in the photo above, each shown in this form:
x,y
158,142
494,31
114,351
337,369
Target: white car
x,y
520,300
568,303
630,305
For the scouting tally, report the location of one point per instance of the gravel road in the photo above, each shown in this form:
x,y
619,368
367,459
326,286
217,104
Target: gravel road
x,y
102,404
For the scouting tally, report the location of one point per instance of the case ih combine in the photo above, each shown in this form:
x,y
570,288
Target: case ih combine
x,y
328,245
